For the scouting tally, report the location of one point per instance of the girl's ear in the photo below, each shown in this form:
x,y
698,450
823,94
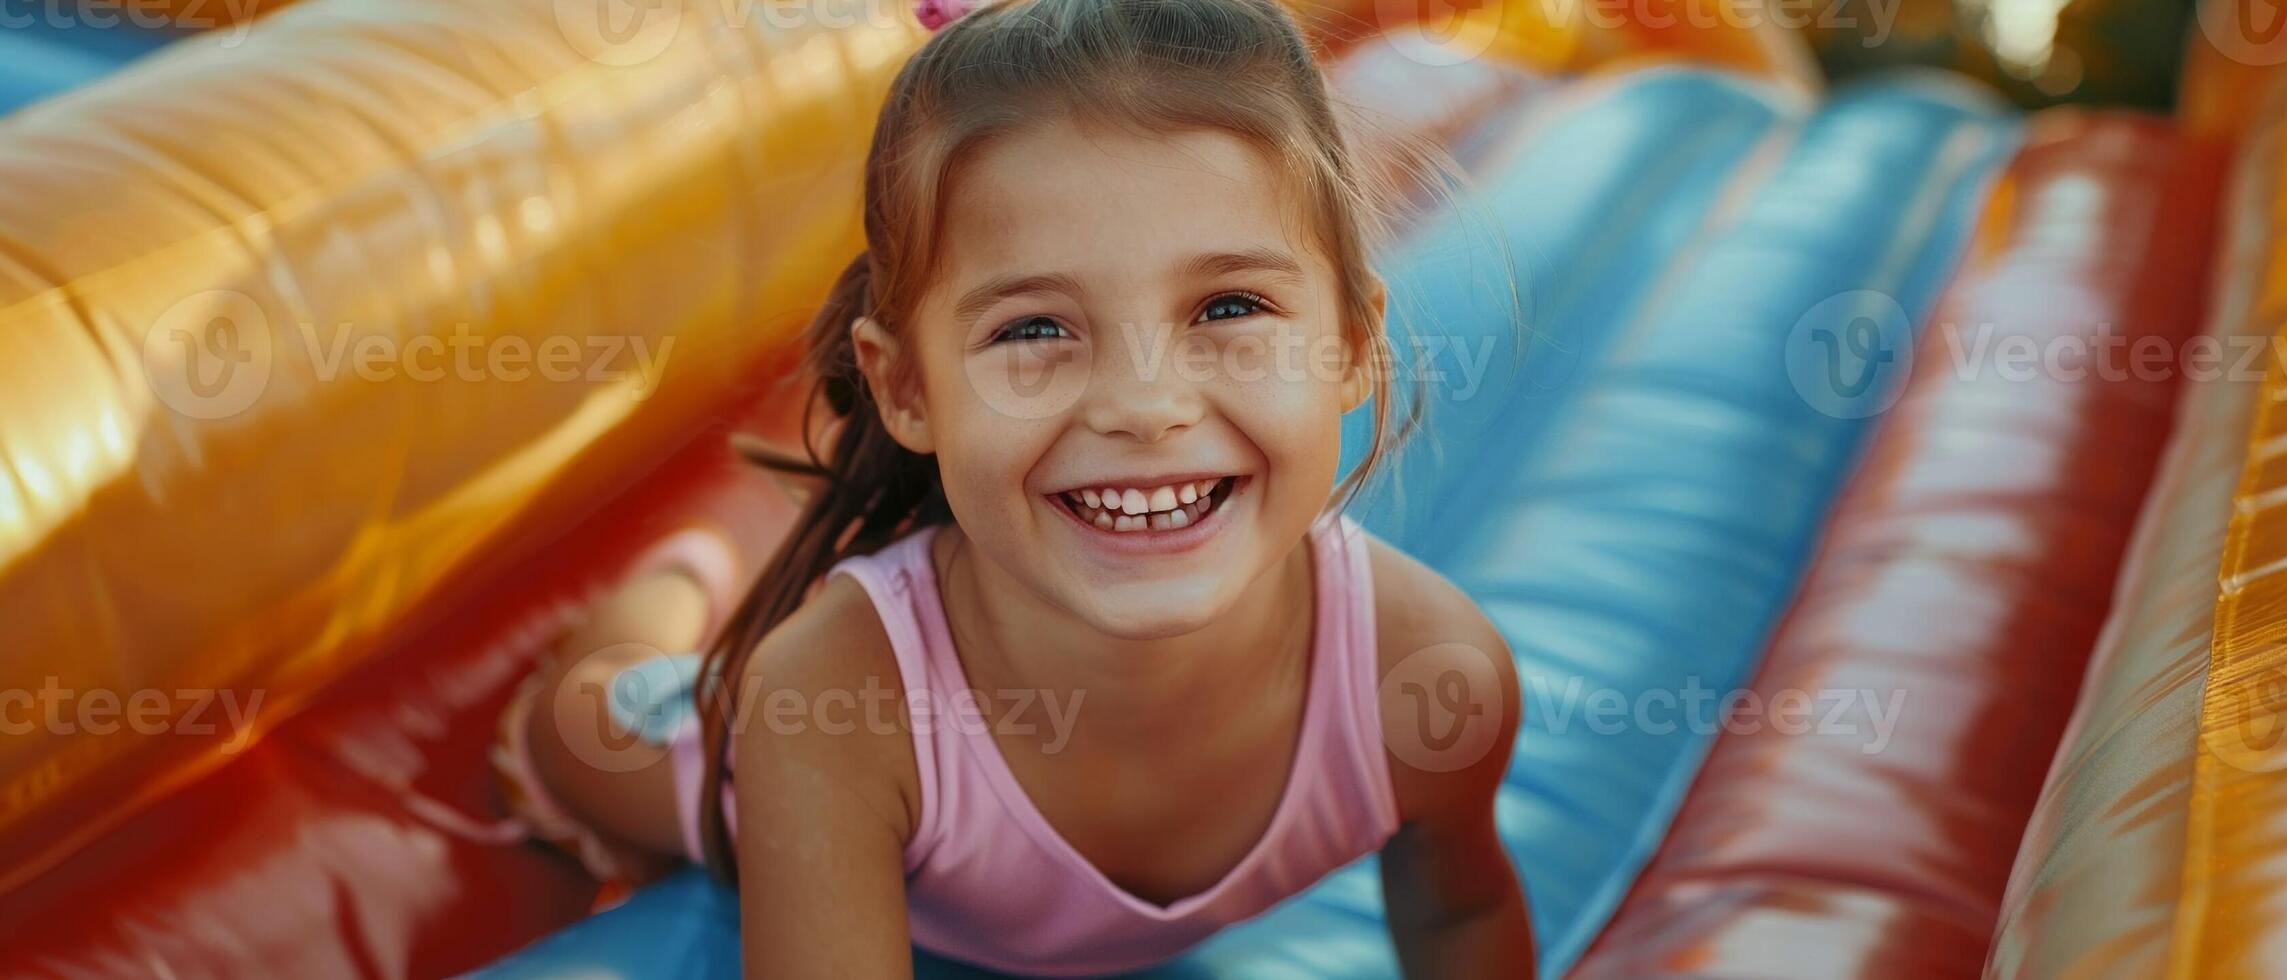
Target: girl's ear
x,y
904,413
1358,375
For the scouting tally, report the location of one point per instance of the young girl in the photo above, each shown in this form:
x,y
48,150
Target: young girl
x,y
1072,658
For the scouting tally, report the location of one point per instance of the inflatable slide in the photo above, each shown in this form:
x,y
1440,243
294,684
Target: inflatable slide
x,y
1749,442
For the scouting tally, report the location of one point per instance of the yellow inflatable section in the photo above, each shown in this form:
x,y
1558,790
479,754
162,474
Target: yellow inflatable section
x,y
396,275
2229,919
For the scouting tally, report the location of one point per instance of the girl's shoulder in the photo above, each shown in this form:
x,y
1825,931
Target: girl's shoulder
x,y
1450,703
824,687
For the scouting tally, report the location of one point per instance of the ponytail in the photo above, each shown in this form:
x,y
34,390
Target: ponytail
x,y
872,492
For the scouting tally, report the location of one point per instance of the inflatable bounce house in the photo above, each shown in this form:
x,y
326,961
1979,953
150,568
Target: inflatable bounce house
x,y
1767,431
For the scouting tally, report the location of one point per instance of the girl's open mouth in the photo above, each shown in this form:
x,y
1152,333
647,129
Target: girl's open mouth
x,y
1136,510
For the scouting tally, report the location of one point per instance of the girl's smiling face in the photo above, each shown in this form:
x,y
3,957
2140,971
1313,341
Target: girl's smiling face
x,y
1144,315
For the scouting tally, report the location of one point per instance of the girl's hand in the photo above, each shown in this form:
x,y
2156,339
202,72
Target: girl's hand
x,y
823,817
1450,711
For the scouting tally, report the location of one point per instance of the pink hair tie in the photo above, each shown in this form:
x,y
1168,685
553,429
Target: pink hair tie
x,y
935,14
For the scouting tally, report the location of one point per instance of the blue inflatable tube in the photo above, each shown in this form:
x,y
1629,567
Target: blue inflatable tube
x,y
1652,521
49,49
1641,490
1496,307
1654,541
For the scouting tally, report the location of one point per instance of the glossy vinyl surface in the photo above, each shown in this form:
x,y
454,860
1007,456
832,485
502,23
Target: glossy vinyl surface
x,y
363,836
287,321
2099,877
1958,591
1649,505
2231,920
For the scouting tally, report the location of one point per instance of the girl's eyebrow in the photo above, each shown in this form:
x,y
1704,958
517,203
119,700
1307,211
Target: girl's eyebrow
x,y
974,302
1278,263
1259,259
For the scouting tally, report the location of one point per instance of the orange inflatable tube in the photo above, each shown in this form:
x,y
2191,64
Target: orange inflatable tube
x,y
2123,862
379,293
2228,921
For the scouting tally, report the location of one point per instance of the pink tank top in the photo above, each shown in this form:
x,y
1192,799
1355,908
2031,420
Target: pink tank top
x,y
989,881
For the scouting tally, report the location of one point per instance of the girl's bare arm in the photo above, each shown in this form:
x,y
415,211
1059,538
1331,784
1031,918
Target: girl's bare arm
x,y
825,804
1450,715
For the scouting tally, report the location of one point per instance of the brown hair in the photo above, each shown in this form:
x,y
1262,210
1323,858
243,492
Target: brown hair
x,y
1236,66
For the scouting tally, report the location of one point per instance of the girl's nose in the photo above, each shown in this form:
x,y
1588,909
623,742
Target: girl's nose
x,y
1139,393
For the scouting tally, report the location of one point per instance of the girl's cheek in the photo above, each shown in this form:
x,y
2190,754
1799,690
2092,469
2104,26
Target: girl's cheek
x,y
1269,353
1026,382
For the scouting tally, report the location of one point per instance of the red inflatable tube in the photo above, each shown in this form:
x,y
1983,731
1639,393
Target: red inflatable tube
x,y
1959,591
364,837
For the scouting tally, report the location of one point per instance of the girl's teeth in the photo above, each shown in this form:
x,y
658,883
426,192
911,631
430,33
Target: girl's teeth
x,y
1165,508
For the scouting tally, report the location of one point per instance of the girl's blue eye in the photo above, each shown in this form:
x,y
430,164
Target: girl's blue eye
x,y
1031,328
1232,307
